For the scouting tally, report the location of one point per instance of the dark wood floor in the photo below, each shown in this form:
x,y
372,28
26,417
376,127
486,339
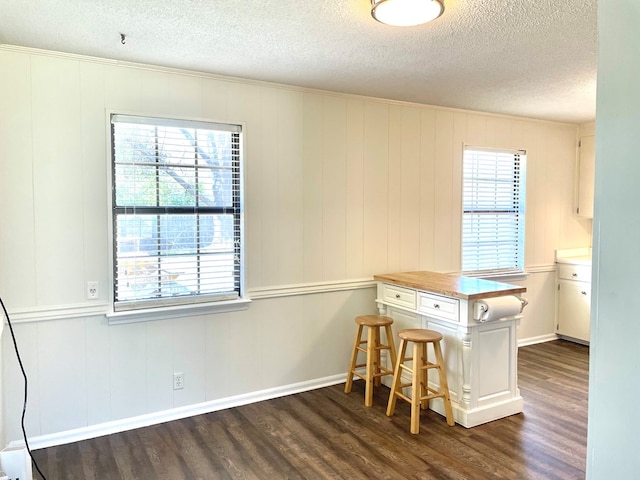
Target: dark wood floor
x,y
325,434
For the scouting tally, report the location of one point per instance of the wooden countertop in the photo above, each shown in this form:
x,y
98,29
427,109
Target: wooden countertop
x,y
574,256
458,286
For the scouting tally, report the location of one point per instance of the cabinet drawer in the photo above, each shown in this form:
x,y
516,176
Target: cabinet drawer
x,y
581,273
438,307
403,297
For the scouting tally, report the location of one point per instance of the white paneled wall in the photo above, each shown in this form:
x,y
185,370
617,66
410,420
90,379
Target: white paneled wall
x,y
338,188
84,372
3,433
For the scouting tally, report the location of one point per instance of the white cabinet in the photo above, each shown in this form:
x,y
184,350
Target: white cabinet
x,y
586,176
451,354
480,358
403,319
574,301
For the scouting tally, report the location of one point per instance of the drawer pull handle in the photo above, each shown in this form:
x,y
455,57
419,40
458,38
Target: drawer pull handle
x,y
397,295
583,292
574,274
436,305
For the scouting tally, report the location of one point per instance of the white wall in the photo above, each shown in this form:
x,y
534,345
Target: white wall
x,y
586,129
338,188
3,422
612,451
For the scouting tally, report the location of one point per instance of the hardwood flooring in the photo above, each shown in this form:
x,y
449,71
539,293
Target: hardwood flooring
x,y
326,434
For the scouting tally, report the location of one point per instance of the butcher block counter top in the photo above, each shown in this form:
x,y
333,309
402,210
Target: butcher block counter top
x,y
458,286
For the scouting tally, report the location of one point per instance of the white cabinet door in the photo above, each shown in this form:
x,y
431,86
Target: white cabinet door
x,y
402,320
574,309
586,176
450,353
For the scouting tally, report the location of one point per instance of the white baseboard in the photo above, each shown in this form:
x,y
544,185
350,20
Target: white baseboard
x,y
478,416
540,339
93,431
107,428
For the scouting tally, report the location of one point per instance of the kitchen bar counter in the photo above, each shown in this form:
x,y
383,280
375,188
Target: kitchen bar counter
x,y
457,286
480,355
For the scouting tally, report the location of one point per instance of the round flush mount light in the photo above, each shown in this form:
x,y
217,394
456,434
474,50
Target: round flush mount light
x,y
406,13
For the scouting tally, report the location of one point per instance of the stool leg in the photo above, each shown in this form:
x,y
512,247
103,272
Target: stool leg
x,y
392,347
376,345
425,376
395,383
354,359
371,352
416,375
444,385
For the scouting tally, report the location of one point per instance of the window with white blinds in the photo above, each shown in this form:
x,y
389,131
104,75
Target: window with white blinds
x,y
493,211
176,210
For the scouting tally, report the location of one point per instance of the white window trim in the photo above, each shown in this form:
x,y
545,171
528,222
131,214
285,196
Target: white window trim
x,y
185,310
164,313
497,274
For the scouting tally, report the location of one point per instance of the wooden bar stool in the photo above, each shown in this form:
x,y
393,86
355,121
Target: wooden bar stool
x,y
371,346
421,392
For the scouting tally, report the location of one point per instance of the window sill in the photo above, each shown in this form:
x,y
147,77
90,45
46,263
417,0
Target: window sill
x,y
188,310
500,277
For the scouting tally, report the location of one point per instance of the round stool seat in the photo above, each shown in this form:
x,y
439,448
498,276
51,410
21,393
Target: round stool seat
x,y
422,391
374,320
420,335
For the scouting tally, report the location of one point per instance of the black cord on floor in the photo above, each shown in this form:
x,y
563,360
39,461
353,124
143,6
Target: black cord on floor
x,y
24,405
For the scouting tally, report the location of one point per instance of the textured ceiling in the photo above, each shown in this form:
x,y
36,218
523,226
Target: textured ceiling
x,y
532,58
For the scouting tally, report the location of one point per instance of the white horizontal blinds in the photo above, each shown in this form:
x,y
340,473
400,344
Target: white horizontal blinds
x,y
176,211
493,211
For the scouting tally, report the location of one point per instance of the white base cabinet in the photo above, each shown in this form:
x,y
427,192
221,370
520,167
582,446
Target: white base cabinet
x,y
574,301
480,358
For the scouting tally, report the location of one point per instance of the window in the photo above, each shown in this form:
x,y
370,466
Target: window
x,y
493,211
176,210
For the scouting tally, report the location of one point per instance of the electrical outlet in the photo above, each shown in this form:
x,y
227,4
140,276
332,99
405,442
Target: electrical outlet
x,y
178,381
92,291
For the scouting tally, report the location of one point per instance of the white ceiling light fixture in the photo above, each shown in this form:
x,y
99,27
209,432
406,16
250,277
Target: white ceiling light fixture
x,y
406,13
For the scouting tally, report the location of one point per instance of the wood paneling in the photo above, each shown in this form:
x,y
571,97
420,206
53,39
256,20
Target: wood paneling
x,y
61,359
97,340
426,218
189,358
185,96
312,180
337,187
128,357
95,172
270,184
354,195
334,183
290,193
57,173
326,433
409,214
376,187
159,367
444,215
394,181
17,234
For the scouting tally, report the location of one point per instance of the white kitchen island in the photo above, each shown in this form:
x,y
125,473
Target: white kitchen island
x,y
480,356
